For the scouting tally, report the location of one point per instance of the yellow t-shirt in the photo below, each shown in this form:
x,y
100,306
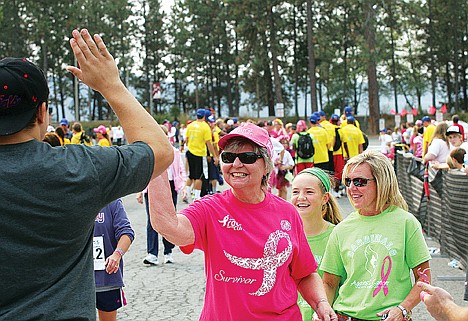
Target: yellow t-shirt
x,y
76,139
344,123
216,137
198,133
353,137
330,128
104,142
321,139
427,136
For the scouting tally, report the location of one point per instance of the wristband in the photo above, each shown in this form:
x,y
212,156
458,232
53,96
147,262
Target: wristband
x,y
320,301
119,251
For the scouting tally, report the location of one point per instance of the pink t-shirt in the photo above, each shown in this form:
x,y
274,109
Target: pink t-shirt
x,y
418,146
254,256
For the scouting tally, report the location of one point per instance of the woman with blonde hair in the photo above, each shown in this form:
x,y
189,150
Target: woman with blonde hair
x,y
439,147
319,212
370,256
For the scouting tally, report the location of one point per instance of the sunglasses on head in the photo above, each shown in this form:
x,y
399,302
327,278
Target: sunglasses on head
x,y
358,181
245,158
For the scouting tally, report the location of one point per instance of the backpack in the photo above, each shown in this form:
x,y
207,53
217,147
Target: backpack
x,y
337,145
305,146
366,142
84,139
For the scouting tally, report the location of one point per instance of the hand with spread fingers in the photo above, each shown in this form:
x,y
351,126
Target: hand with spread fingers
x,y
97,68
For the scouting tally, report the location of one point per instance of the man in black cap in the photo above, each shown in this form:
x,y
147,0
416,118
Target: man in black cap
x,y
50,196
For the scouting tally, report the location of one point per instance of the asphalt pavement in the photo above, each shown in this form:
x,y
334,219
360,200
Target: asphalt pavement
x,y
173,292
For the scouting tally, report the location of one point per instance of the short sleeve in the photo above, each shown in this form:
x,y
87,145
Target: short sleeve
x,y
332,260
416,250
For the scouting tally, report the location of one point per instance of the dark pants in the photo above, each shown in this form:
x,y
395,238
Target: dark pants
x,y
152,242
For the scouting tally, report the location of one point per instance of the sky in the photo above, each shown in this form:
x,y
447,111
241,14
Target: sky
x,y
166,5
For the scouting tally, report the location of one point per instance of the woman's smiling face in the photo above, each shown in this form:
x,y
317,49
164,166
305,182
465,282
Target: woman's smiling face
x,y
363,198
241,176
307,195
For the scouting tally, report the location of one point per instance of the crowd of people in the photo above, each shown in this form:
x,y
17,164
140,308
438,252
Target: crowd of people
x,y
266,258
442,145
102,135
323,143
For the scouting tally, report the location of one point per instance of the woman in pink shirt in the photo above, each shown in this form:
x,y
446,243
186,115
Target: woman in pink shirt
x,y
256,253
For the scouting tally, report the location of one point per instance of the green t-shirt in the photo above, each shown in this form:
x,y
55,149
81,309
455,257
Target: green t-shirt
x,y
317,244
365,250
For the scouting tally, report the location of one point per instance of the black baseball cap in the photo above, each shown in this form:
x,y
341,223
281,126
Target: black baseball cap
x,y
23,87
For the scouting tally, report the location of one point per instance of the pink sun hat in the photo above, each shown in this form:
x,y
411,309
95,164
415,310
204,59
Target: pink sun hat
x,y
253,133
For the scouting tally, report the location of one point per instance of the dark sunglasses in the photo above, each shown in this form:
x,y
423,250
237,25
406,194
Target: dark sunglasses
x,y
358,181
245,158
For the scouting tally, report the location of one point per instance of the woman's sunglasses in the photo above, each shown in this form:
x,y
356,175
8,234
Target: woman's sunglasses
x,y
245,158
358,181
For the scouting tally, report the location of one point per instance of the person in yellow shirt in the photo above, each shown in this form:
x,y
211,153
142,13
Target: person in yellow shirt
x,y
79,136
352,139
102,136
331,134
321,143
348,111
198,140
429,130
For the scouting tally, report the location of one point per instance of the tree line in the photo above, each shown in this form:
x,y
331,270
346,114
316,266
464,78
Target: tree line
x,y
209,53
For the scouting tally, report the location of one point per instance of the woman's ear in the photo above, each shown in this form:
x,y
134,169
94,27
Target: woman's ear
x,y
325,198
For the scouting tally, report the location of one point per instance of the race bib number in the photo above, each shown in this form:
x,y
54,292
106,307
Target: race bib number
x,y
98,253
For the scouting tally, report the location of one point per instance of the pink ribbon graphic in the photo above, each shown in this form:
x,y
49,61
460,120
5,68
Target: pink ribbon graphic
x,y
384,275
423,276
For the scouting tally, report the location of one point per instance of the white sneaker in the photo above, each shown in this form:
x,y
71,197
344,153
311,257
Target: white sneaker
x,y
168,258
151,259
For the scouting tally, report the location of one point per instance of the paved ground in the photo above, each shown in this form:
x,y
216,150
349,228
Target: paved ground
x,y
173,292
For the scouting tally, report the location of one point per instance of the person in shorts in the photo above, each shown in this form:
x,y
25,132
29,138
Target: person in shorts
x,y
113,235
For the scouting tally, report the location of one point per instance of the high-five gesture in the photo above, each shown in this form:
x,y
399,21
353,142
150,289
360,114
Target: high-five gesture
x,y
97,69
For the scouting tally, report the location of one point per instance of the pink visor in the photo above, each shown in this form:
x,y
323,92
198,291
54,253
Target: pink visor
x,y
253,133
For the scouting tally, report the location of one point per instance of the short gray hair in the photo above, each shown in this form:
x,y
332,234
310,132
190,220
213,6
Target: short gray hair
x,y
237,143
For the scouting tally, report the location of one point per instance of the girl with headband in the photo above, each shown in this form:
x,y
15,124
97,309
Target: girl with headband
x,y
319,212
